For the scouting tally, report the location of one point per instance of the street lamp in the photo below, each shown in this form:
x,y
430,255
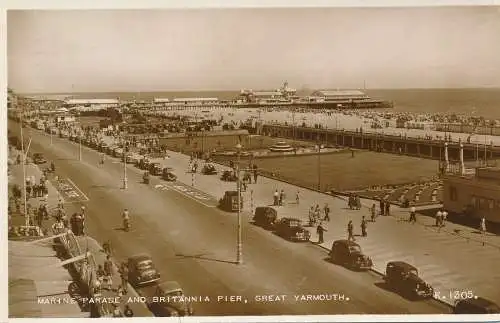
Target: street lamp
x,y
239,256
319,163
125,180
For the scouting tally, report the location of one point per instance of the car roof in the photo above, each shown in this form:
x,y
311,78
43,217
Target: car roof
x,y
291,219
402,264
140,257
170,286
346,242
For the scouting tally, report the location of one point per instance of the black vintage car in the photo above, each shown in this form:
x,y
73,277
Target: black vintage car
x,y
39,159
228,176
156,169
292,229
404,278
477,305
349,254
265,217
141,270
168,174
209,169
229,202
169,300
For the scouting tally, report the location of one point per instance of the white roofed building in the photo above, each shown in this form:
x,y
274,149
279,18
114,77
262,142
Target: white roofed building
x,y
92,104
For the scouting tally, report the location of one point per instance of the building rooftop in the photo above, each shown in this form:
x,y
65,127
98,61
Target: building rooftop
x,y
91,101
339,93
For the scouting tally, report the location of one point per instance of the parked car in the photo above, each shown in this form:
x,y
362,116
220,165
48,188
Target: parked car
x,y
229,201
265,216
156,169
209,169
168,174
228,176
349,254
292,229
141,270
404,278
39,159
169,300
477,305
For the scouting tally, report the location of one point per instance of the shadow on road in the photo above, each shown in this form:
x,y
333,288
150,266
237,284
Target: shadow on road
x,y
204,257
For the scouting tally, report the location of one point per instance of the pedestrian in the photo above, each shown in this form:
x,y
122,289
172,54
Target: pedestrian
x,y
327,212
373,211
382,206
124,277
387,208
128,311
255,174
276,198
413,215
116,311
282,197
358,202
320,230
482,225
39,218
106,247
108,270
350,231
363,227
445,217
439,217
297,198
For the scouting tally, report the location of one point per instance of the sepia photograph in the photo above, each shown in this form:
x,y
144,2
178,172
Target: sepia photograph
x,y
253,162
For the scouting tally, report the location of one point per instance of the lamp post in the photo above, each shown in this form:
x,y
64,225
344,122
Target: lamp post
x,y
125,180
23,160
319,164
239,256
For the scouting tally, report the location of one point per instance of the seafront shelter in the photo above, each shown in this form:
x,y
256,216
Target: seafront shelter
x,y
91,104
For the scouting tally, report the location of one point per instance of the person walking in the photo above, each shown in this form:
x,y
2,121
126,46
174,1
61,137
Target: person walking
x,y
255,173
413,215
276,198
350,231
387,208
482,225
320,230
297,198
439,217
282,197
108,269
445,217
124,277
373,211
363,227
327,213
382,206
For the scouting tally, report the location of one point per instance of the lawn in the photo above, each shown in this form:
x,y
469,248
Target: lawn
x,y
340,171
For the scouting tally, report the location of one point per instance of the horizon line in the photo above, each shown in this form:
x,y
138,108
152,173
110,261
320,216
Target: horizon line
x,y
238,90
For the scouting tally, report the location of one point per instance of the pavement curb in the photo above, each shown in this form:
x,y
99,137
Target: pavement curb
x,y
381,273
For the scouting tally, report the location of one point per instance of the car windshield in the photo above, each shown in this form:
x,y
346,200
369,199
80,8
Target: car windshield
x,y
354,249
145,264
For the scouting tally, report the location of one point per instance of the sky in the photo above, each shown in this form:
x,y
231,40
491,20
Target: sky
x,y
230,49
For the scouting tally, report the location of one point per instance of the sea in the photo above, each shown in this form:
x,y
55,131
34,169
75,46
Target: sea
x,y
484,102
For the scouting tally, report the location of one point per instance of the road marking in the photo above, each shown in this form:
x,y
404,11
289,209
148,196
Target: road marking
x,y
79,190
183,191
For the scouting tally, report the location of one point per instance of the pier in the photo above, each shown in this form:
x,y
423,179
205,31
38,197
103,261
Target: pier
x,y
410,146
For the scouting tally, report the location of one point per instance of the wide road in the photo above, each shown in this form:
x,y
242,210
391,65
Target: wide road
x,y
196,246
